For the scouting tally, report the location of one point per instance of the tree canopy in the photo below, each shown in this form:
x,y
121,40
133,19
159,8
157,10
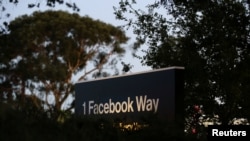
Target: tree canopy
x,y
41,53
210,39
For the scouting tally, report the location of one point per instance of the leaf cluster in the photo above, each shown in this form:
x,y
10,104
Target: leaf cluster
x,y
211,40
41,53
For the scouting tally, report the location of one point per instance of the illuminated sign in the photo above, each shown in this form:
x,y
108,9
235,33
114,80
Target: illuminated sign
x,y
141,104
133,96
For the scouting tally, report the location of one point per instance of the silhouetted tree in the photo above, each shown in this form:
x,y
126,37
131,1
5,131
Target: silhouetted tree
x,y
42,53
210,39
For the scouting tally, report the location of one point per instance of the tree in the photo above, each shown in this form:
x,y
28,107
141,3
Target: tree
x,y
210,39
42,53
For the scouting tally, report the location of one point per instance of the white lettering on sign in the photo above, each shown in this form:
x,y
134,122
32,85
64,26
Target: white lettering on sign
x,y
142,104
110,107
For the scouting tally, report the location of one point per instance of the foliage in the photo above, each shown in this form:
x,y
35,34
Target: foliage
x,y
42,53
210,39
16,125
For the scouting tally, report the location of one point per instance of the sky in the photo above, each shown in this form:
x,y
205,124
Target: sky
x,y
96,9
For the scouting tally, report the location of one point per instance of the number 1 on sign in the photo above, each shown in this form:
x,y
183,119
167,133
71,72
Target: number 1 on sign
x,y
84,108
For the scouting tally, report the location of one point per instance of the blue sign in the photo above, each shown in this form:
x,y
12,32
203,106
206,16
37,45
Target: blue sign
x,y
158,92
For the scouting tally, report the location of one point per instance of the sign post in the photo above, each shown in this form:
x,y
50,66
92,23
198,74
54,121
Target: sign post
x,y
157,92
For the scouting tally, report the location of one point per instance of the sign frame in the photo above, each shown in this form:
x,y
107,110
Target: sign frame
x,y
117,97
